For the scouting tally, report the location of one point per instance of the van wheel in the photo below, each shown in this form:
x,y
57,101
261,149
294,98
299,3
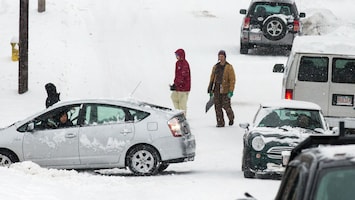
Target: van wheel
x,y
274,28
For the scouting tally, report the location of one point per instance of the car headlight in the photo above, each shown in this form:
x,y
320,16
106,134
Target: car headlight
x,y
258,143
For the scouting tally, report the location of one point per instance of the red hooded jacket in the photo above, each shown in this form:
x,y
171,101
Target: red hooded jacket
x,y
182,79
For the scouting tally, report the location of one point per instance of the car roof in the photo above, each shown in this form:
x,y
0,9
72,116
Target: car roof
x,y
326,44
286,103
127,102
336,152
274,1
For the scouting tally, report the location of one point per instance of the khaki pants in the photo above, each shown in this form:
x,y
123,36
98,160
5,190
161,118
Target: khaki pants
x,y
180,100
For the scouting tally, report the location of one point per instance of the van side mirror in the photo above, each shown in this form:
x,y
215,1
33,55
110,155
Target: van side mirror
x,y
243,11
302,15
279,68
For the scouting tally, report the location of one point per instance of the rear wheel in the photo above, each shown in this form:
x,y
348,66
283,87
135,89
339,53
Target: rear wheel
x,y
244,49
143,160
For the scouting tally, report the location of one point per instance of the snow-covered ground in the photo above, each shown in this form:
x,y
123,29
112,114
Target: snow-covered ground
x,y
104,49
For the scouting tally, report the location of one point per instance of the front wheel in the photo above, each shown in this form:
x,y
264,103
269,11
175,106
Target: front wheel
x,y
7,158
143,160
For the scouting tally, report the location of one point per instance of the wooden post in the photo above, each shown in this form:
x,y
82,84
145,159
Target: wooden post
x,y
41,5
23,48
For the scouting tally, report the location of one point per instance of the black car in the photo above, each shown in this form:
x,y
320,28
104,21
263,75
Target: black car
x,y
270,23
321,167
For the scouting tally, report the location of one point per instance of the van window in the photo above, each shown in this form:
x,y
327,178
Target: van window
x,y
343,70
313,69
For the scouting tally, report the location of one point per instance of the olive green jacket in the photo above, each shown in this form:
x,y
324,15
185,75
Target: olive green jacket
x,y
228,81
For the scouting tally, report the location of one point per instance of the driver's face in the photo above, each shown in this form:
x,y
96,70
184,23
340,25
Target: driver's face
x,y
63,118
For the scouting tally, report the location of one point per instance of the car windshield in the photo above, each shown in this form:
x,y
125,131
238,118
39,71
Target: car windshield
x,y
337,183
278,117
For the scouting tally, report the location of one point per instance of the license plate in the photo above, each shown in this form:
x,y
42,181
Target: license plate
x,y
343,100
255,37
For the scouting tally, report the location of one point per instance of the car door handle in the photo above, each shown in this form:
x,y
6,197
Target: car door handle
x,y
125,131
70,135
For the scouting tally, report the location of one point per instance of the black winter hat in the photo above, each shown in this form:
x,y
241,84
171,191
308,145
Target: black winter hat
x,y
222,52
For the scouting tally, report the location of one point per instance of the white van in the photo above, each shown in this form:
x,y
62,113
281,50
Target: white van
x,y
322,70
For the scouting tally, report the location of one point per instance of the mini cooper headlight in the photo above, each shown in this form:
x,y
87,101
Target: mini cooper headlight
x,y
258,143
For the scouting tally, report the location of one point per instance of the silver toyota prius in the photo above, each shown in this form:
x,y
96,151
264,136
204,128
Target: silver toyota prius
x,y
99,134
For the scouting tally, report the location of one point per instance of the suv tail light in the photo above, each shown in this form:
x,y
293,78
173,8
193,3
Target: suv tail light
x,y
246,23
289,94
296,25
175,127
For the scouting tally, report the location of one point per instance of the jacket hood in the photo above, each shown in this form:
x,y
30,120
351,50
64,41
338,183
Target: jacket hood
x,y
180,53
51,89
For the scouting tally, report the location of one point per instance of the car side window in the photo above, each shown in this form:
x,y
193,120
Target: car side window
x,y
313,69
343,70
104,114
62,117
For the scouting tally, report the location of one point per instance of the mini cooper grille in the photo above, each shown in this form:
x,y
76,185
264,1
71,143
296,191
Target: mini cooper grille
x,y
275,152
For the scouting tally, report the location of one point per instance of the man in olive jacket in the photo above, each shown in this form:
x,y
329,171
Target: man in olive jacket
x,y
221,87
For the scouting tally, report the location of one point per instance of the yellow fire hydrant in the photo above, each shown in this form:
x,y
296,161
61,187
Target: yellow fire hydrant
x,y
15,48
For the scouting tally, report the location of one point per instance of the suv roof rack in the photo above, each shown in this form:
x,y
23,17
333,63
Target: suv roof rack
x,y
316,140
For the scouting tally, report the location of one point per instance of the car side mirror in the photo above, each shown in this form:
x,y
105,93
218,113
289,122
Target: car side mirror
x,y
278,68
243,11
30,127
302,15
244,125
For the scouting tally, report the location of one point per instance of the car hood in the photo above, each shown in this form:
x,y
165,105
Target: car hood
x,y
285,134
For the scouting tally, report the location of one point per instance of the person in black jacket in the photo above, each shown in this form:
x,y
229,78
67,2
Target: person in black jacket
x,y
53,95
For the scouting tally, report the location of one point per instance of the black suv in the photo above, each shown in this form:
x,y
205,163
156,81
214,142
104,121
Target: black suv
x,y
321,167
270,23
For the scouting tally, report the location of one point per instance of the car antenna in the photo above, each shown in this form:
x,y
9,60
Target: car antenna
x,y
135,89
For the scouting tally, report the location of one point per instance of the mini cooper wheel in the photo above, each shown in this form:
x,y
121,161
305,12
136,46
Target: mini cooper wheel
x,y
7,158
143,160
274,28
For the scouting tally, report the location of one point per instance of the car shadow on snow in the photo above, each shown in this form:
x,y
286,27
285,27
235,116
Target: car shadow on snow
x,y
126,173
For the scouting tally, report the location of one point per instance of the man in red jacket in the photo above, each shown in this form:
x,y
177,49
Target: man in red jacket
x,y
182,81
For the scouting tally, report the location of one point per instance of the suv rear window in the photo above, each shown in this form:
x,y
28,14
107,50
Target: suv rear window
x,y
313,69
343,70
267,8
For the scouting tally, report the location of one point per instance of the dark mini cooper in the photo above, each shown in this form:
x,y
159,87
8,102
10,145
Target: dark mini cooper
x,y
270,23
276,129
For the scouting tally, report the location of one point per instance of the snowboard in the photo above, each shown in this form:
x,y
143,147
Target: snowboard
x,y
209,104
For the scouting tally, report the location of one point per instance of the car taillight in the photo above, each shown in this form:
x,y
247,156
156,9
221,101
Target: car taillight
x,y
175,127
246,23
296,25
289,94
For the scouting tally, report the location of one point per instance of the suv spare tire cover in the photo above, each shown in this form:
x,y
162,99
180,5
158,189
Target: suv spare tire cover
x,y
274,28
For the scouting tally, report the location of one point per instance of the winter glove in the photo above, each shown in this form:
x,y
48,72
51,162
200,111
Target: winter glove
x,y
230,94
172,87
